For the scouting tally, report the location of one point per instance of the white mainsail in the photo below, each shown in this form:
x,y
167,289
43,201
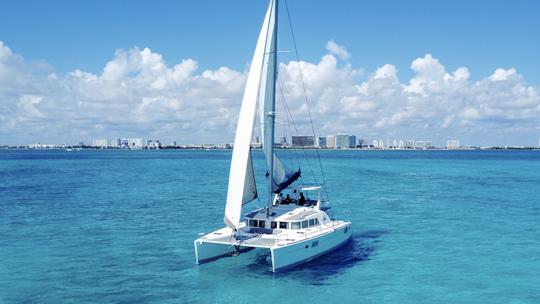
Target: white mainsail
x,y
282,176
242,188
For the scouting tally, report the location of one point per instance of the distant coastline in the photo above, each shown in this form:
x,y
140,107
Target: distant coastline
x,y
229,147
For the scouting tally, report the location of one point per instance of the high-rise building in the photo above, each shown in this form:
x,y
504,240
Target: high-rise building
x,y
321,142
381,144
303,141
352,141
363,143
343,141
331,141
100,143
452,144
375,143
135,143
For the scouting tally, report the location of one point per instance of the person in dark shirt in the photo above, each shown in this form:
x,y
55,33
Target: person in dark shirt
x,y
302,199
287,200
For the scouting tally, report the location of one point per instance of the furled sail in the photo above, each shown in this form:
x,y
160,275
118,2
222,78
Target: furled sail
x,y
282,176
242,188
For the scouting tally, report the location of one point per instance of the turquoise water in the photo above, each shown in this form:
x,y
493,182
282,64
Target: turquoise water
x,y
118,227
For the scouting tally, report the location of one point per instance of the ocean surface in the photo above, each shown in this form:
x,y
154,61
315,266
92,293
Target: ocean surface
x,y
118,227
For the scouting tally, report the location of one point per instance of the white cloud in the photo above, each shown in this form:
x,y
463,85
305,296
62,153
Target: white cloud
x,y
139,94
338,50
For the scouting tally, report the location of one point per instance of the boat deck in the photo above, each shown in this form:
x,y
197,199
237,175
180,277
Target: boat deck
x,y
225,236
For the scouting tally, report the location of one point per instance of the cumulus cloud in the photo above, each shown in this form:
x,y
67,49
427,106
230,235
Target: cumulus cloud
x,y
139,94
338,50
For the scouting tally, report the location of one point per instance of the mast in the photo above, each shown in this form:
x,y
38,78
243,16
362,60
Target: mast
x,y
270,104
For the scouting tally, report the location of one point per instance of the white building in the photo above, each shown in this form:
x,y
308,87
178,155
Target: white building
x,y
452,144
153,144
331,141
381,144
375,143
100,143
401,145
135,143
409,144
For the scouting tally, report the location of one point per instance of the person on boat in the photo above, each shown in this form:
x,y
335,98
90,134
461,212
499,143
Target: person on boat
x,y
287,200
295,196
301,200
279,199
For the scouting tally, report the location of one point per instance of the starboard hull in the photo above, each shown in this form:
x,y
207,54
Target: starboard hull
x,y
298,253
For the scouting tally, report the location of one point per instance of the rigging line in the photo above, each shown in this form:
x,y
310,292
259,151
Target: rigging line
x,y
284,102
305,94
280,86
286,106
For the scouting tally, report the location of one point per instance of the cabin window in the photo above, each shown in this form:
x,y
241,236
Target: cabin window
x,y
295,225
304,224
317,222
282,225
311,222
261,224
273,225
252,223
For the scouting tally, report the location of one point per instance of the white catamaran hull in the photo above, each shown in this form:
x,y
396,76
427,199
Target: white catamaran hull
x,y
305,251
283,255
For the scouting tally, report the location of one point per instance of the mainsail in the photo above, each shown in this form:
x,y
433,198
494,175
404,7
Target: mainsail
x,y
282,176
260,87
242,188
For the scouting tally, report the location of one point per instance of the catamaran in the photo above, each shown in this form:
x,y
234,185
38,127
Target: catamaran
x,y
294,229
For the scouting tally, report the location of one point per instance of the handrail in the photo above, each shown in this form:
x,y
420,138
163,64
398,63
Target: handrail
x,y
279,239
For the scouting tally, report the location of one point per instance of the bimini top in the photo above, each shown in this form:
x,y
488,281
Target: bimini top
x,y
310,188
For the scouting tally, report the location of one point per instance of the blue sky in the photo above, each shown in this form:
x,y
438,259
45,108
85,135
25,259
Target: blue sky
x,y
83,34
477,60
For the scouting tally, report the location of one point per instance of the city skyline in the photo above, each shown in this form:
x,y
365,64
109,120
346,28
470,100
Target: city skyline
x,y
452,80
336,141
